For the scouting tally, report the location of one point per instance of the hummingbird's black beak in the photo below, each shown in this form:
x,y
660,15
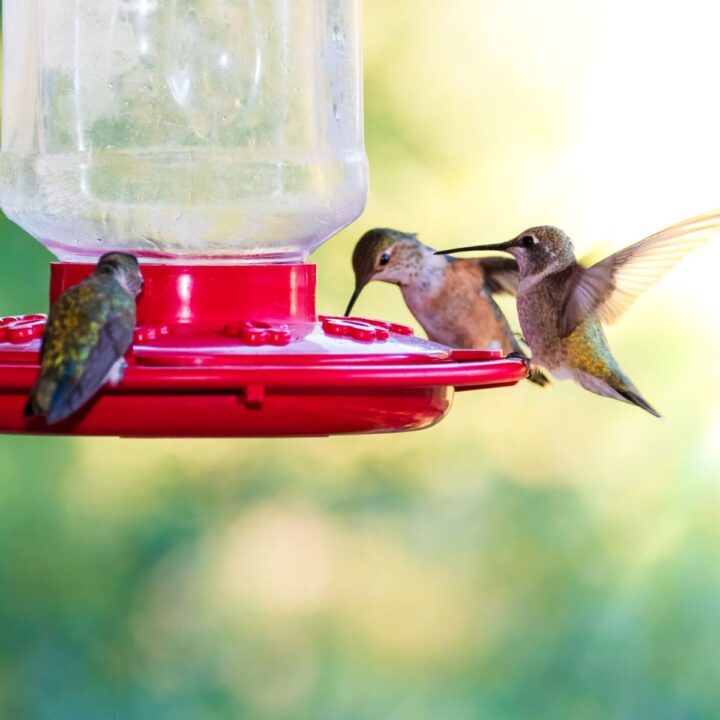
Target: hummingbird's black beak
x,y
503,247
353,299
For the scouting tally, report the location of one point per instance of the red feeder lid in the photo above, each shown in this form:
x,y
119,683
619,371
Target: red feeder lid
x,y
238,351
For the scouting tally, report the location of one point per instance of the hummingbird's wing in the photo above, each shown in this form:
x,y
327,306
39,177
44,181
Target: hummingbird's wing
x,y
501,274
610,286
112,342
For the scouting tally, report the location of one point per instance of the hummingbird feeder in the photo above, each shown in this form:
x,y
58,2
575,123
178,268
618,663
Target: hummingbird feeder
x,y
219,141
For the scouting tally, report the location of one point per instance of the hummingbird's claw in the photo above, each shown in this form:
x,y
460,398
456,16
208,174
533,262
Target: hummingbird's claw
x,y
534,374
517,355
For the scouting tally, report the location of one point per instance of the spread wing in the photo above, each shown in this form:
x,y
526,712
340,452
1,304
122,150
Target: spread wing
x,y
610,286
501,274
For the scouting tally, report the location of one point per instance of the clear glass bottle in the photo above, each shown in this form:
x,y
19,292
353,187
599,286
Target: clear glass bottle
x,y
200,130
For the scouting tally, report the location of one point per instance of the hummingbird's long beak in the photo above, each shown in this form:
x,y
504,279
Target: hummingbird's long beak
x,y
498,246
353,299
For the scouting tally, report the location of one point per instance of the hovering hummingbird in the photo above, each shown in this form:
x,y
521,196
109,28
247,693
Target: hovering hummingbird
x,y
451,298
89,329
561,304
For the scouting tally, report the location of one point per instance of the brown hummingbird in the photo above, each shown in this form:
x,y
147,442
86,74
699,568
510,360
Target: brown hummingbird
x,y
452,299
562,304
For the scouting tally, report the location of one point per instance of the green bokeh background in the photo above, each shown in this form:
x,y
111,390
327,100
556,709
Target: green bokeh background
x,y
539,554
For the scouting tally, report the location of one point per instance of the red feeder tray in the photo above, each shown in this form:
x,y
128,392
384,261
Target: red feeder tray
x,y
238,351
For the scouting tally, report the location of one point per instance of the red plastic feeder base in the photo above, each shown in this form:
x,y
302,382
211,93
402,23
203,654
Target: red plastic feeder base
x,y
238,351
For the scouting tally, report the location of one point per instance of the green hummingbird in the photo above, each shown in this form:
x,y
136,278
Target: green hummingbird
x,y
452,299
89,329
562,304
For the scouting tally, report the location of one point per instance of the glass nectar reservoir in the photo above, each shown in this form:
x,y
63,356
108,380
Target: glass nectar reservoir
x,y
182,130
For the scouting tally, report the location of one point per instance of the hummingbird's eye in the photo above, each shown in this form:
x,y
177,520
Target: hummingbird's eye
x,y
385,258
528,241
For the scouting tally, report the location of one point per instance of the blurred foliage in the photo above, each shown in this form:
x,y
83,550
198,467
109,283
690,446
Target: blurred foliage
x,y
539,554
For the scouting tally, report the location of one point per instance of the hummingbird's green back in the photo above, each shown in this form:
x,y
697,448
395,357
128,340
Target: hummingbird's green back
x,y
89,328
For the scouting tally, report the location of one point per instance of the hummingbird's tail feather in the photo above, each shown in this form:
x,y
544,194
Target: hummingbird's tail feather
x,y
38,399
635,398
30,410
66,399
616,386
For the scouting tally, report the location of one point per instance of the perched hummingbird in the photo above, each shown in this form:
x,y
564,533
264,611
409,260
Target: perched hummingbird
x,y
451,298
89,329
561,304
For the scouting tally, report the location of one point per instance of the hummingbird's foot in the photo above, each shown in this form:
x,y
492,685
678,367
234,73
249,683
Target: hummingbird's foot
x,y
534,374
517,355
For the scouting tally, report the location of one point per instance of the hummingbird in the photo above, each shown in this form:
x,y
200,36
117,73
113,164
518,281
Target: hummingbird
x,y
89,329
562,304
451,298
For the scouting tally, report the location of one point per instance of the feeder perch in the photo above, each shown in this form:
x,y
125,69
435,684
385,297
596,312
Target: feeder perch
x,y
221,143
